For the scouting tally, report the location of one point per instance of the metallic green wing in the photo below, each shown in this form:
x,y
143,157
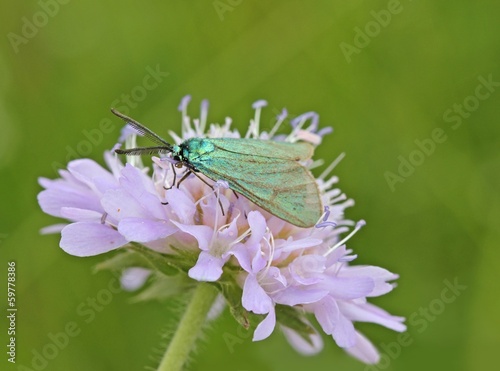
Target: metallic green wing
x,y
288,151
267,173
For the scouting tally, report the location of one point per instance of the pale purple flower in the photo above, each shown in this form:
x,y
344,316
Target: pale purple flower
x,y
274,263
313,345
137,208
134,278
77,196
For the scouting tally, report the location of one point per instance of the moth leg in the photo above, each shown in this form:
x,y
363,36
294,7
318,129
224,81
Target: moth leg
x,y
203,180
175,178
236,194
173,183
221,208
103,218
211,186
175,175
184,177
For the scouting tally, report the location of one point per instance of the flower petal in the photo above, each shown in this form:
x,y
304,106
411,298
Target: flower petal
x,y
258,226
244,256
135,182
348,287
88,171
379,275
370,313
266,327
181,205
139,186
217,308
145,230
308,269
77,214
113,163
119,204
300,344
303,243
202,233
208,268
343,332
134,278
364,350
254,298
54,228
249,253
326,313
295,295
89,239
52,200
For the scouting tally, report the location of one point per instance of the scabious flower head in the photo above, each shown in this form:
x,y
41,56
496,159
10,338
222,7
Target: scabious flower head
x,y
281,272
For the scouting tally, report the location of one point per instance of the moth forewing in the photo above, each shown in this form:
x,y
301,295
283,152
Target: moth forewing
x,y
292,151
281,186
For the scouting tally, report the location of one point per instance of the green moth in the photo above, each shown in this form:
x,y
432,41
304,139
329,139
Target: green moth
x,y
266,172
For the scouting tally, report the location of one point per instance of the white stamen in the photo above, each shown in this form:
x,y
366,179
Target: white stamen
x,y
177,139
197,127
276,126
330,182
358,226
342,197
348,258
227,123
315,164
329,169
293,134
272,249
203,116
251,129
240,238
131,142
332,193
216,220
255,125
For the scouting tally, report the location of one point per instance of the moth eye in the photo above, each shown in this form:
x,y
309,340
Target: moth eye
x,y
178,165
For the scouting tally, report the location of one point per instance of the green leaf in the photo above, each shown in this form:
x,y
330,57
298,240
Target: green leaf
x,y
168,264
233,293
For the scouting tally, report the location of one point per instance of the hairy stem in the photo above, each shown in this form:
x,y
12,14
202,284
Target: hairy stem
x,y
189,328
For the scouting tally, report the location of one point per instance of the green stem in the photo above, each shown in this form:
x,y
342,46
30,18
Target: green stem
x,y
189,328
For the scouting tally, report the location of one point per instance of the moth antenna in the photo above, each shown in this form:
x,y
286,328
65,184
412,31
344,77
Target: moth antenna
x,y
143,151
143,130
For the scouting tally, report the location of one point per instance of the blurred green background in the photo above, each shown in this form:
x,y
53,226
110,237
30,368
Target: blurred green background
x,y
382,92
